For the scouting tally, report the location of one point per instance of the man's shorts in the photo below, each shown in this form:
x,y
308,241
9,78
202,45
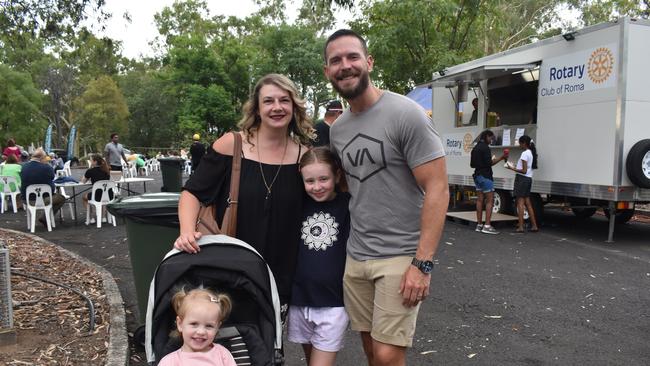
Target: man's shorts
x,y
483,184
374,304
323,328
116,168
522,186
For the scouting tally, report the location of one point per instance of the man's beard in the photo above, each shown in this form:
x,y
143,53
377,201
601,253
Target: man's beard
x,y
364,82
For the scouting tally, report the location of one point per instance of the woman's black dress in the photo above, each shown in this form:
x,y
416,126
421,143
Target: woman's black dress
x,y
271,226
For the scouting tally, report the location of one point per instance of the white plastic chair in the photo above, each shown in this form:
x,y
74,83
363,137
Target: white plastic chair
x,y
188,167
66,168
67,202
147,167
133,169
102,193
155,165
10,189
37,193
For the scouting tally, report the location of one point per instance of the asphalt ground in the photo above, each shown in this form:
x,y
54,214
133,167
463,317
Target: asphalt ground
x,y
562,296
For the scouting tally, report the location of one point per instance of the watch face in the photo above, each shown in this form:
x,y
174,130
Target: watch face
x,y
427,266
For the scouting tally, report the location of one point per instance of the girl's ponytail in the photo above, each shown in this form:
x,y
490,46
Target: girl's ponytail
x,y
533,150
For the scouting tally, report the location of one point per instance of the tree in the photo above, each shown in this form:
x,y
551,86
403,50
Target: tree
x,y
152,109
20,103
58,82
48,19
101,110
296,51
598,11
411,39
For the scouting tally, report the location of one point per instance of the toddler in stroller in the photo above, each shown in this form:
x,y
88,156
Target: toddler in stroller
x,y
199,314
252,333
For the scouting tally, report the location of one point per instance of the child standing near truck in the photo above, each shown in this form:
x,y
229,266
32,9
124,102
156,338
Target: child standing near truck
x,y
524,182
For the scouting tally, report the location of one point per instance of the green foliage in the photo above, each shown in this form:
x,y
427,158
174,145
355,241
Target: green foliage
x,y
101,111
205,109
207,65
92,56
20,103
598,11
411,39
152,109
47,19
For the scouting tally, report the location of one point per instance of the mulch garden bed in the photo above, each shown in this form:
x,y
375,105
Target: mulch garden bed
x,y
52,323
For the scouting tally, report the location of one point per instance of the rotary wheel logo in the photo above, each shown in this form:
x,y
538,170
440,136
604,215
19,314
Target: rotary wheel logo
x,y
467,142
600,66
320,231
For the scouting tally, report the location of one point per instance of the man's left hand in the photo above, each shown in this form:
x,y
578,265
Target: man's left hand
x,y
414,286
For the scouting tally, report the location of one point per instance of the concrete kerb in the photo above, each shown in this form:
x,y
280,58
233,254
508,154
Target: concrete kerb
x,y
118,343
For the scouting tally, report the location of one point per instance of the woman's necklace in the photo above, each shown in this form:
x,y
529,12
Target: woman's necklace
x,y
259,161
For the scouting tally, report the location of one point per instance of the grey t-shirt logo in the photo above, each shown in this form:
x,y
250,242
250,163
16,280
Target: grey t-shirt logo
x,y
363,157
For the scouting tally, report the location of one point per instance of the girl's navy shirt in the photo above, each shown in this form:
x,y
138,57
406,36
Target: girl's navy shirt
x,y
318,281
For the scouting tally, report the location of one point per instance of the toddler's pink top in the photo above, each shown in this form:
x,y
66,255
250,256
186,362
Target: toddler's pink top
x,y
217,356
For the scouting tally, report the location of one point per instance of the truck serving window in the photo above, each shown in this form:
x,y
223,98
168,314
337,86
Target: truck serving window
x,y
512,99
492,95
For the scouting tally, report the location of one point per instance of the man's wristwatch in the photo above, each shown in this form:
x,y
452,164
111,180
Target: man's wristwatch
x,y
424,266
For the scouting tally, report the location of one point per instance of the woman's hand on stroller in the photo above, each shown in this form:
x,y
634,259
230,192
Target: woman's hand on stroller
x,y
187,242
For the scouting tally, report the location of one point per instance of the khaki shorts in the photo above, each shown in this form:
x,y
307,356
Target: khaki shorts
x,y
373,302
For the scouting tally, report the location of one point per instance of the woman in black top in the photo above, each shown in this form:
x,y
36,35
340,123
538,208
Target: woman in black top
x,y
99,171
275,130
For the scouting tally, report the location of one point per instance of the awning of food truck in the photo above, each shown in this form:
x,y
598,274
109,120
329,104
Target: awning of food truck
x,y
422,96
479,73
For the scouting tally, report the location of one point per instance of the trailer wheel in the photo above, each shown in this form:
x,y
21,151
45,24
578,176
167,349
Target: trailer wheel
x,y
622,216
584,213
502,202
637,164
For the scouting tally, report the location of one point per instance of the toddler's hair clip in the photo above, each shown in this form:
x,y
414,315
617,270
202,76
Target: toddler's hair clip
x,y
213,299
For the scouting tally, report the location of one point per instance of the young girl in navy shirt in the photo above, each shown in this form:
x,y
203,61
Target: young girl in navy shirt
x,y
317,318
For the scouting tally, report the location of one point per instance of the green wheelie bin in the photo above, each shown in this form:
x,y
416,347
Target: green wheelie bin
x,y
172,174
151,228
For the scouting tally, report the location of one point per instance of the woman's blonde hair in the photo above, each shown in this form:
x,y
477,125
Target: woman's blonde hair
x,y
180,301
300,125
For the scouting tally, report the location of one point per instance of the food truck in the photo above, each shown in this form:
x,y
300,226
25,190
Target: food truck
x,y
583,98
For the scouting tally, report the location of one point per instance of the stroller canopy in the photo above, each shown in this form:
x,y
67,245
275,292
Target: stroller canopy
x,y
227,265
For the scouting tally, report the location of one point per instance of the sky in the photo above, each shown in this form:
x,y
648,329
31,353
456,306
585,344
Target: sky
x,y
136,35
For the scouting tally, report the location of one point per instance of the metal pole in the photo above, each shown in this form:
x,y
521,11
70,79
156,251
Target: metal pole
x,y
612,221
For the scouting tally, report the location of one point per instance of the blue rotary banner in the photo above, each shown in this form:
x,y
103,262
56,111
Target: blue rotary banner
x,y
71,139
47,145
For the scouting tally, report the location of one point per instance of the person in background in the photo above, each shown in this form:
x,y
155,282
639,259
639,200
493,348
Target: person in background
x,y
482,162
11,149
473,120
332,111
197,150
114,153
11,168
524,182
37,172
56,162
395,164
99,171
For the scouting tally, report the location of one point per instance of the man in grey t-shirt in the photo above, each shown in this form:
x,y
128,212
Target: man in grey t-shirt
x,y
114,153
395,167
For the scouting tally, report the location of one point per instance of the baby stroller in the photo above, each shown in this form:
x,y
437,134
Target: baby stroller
x,y
252,333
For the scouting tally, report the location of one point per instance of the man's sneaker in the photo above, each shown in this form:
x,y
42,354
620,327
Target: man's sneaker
x,y
487,229
479,227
